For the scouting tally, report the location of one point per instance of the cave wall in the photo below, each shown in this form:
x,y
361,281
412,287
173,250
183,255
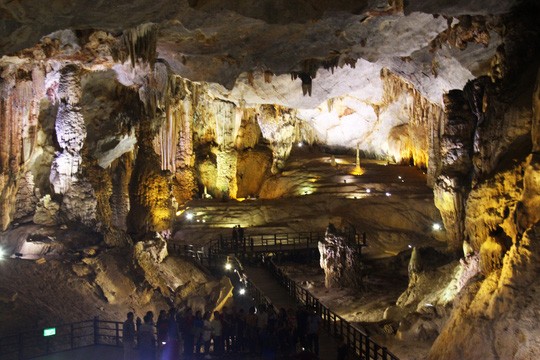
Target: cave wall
x,y
488,194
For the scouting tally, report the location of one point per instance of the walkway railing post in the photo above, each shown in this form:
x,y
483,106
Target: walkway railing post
x,y
117,334
20,345
96,330
71,337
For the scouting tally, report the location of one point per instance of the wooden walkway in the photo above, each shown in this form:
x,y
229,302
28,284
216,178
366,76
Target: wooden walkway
x,y
279,297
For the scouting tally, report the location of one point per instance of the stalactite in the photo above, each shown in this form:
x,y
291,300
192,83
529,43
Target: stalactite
x,y
424,119
279,126
250,78
139,43
20,92
268,76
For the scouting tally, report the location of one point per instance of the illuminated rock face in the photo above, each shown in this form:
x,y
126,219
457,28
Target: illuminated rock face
x,y
70,131
189,95
340,260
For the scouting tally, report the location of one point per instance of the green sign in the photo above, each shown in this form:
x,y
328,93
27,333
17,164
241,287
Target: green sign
x,y
49,332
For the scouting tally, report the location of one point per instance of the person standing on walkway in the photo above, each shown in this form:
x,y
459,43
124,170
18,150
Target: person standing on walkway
x,y
240,344
262,324
301,325
198,326
171,351
186,325
147,346
251,330
207,334
217,332
128,337
343,349
313,329
162,327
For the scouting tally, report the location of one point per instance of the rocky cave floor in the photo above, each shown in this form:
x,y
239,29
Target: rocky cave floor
x,y
315,189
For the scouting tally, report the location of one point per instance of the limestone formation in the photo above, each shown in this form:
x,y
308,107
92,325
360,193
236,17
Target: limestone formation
x,y
70,131
46,211
340,258
113,117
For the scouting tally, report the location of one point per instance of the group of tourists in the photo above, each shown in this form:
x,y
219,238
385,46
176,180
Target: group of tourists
x,y
260,331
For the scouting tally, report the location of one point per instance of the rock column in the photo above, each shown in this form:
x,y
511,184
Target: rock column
x,y
340,260
70,131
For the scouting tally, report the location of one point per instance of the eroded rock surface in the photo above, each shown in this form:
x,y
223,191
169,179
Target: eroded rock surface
x,y
340,258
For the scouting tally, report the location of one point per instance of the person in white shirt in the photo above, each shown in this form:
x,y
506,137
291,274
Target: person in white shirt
x,y
217,333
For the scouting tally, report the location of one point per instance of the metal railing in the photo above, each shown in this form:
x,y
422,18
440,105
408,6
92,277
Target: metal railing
x,y
31,344
247,245
360,343
264,243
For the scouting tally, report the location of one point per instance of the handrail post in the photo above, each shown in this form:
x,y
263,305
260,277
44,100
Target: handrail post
x,y
384,353
117,334
71,336
368,347
20,346
96,330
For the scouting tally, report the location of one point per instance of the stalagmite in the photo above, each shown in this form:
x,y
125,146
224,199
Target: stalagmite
x,y
70,131
358,169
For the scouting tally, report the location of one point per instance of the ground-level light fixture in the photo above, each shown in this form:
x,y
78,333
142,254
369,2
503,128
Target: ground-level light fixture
x,y
388,194
242,291
300,144
228,266
368,190
436,226
2,253
189,216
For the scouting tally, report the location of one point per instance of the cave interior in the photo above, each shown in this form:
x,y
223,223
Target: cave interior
x,y
130,127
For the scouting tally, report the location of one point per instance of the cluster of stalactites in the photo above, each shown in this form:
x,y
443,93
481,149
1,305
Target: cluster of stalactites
x,y
20,94
424,121
175,137
280,126
138,43
311,66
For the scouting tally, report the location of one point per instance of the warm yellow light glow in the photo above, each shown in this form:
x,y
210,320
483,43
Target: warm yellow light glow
x,y
436,227
228,266
240,199
358,171
179,212
356,196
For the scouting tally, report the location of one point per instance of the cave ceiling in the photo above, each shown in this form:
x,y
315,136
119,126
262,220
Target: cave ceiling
x,y
247,50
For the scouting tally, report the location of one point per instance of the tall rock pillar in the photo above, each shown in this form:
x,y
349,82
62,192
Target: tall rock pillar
x,y
70,131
